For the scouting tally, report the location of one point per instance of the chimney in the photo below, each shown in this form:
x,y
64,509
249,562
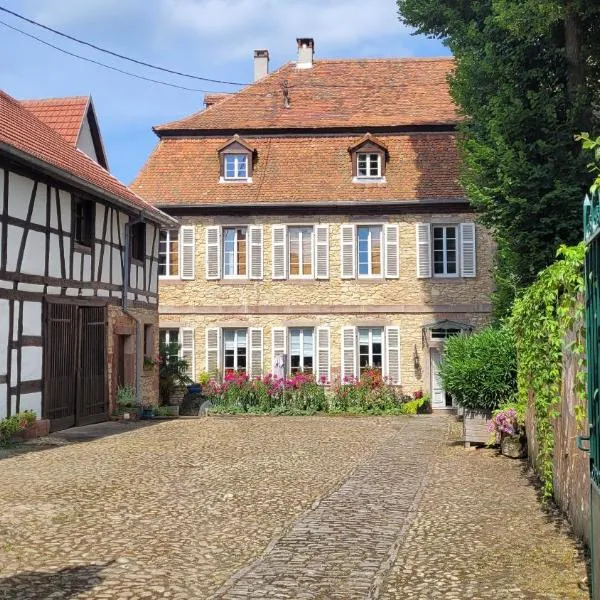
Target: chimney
x,y
306,51
261,64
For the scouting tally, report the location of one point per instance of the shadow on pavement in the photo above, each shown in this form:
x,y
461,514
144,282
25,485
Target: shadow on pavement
x,y
39,585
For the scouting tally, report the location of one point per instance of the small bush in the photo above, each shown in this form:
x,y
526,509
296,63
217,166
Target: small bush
x,y
13,424
479,370
126,398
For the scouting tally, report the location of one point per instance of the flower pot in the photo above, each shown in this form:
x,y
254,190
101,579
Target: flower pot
x,y
514,446
475,426
147,413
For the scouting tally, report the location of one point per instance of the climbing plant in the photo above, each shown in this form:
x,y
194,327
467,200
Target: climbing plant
x,y
541,317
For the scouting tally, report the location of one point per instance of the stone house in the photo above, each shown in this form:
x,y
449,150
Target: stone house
x,y
78,268
322,225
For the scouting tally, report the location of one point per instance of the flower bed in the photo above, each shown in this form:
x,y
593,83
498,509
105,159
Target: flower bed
x,y
301,394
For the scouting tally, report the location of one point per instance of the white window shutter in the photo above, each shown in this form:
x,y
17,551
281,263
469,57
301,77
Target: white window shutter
x,y
468,260
392,268
213,253
279,265
323,354
321,251
256,351
392,354
255,235
187,351
348,352
187,251
213,350
423,250
278,344
348,251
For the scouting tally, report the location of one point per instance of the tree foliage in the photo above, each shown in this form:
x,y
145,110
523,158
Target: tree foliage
x,y
526,72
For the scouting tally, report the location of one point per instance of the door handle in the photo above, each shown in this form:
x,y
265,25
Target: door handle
x,y
581,439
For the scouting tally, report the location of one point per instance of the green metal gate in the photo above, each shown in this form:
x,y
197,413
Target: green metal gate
x,y
591,224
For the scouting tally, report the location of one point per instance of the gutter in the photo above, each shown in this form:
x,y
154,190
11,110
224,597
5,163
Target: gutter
x,y
161,218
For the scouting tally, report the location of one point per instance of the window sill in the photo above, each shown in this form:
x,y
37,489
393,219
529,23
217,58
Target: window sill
x,y
370,278
82,248
137,262
224,180
372,180
171,279
235,281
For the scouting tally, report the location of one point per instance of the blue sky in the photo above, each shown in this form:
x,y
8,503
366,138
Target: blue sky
x,y
211,38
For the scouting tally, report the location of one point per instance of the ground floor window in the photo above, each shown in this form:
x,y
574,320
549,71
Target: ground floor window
x,y
235,349
370,348
301,350
170,338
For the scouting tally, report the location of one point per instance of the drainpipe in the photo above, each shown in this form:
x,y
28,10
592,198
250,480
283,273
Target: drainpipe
x,y
139,331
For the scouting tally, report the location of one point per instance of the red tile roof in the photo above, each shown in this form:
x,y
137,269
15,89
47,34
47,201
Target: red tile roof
x,y
24,133
64,115
308,168
336,93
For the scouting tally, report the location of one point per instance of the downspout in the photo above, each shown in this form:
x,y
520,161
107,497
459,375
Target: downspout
x,y
139,331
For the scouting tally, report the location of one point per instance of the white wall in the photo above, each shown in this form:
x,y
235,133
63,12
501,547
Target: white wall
x,y
85,142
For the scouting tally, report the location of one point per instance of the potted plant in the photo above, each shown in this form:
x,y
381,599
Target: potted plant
x,y
127,407
508,426
173,372
479,370
149,363
147,411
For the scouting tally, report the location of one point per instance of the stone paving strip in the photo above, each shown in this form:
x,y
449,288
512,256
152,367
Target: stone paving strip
x,y
280,507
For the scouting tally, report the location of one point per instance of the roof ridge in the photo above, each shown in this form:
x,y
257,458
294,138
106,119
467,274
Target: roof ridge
x,y
55,98
388,59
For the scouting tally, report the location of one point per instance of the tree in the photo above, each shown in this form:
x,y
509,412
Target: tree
x,y
526,71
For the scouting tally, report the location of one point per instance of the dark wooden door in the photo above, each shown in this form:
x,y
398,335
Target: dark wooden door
x,y
60,365
92,405
75,391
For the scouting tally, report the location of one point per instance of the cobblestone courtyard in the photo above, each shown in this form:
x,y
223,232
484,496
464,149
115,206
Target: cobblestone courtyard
x,y
305,507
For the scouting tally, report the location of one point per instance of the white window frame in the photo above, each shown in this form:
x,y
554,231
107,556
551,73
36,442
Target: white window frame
x,y
302,357
358,355
368,160
168,261
237,158
445,227
235,258
301,251
236,330
168,336
370,274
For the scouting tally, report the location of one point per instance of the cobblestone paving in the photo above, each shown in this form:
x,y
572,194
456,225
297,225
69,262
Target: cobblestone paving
x,y
309,508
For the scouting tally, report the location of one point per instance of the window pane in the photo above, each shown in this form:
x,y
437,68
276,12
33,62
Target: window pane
x,y
241,251
241,163
376,251
362,165
294,258
295,341
230,166
307,251
241,335
308,342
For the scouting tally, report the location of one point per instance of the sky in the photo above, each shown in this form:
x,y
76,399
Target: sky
x,y
208,38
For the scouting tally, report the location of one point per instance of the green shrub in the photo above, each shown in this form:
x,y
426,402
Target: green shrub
x,y
479,370
126,397
13,424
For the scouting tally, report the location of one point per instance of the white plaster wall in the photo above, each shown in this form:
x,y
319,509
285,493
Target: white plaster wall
x,y
3,335
85,142
116,260
14,243
32,402
76,266
65,210
32,318
19,192
35,253
39,207
87,267
31,363
100,210
1,192
31,287
54,262
3,400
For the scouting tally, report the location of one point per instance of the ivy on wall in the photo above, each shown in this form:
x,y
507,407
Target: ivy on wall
x,y
540,319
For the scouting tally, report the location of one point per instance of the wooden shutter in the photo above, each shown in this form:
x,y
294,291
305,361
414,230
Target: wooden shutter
x,y
256,351
213,253
279,233
423,231
255,235
392,269
187,249
323,354
348,252
187,351
278,344
213,350
321,251
392,354
468,261
348,352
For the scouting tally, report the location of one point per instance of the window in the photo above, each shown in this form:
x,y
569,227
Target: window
x,y
83,222
445,243
301,350
369,250
236,166
235,346
370,348
368,164
168,253
170,338
137,241
300,241
442,333
235,255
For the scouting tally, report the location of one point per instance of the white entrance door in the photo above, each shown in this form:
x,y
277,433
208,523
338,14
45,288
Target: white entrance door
x,y
438,395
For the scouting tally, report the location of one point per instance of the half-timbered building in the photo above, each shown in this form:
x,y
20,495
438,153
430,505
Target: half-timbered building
x,y
78,274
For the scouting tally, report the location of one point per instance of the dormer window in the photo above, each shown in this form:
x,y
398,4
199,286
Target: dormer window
x,y
368,160
235,158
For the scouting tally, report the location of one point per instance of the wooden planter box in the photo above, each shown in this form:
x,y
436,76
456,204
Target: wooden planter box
x,y
39,428
475,426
